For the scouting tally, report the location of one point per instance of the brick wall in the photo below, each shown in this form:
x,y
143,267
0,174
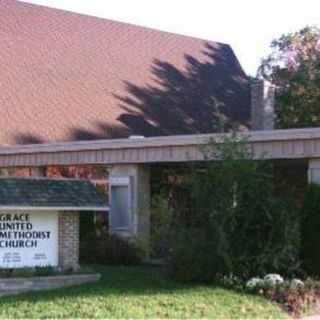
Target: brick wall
x,y
69,240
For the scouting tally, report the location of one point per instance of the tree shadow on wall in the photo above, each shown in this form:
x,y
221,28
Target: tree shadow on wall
x,y
207,96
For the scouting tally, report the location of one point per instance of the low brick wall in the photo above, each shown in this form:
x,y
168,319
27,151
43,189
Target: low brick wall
x,y
19,285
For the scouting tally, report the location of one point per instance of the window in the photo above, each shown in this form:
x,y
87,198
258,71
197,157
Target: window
x,y
120,203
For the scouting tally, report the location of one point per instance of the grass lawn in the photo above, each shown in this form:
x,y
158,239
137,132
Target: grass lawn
x,y
137,292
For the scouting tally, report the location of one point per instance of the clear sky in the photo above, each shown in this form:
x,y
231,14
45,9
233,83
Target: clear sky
x,y
247,25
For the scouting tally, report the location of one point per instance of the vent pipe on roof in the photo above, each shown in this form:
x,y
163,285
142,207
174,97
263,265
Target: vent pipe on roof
x,y
262,105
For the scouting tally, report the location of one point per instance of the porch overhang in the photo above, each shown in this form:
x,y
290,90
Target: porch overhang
x,y
274,144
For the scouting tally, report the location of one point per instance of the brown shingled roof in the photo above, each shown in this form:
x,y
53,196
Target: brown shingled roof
x,y
66,76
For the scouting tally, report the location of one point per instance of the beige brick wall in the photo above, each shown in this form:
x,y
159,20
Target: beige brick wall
x,y
69,240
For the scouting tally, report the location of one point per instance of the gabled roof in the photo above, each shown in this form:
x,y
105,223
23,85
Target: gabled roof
x,y
50,194
66,76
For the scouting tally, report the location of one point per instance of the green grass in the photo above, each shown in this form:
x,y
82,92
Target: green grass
x,y
137,292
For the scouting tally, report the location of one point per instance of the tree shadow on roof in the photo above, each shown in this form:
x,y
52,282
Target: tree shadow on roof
x,y
26,138
207,96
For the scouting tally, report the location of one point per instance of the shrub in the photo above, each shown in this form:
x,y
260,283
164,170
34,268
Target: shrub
x,y
90,250
120,251
311,230
44,271
92,227
28,272
161,226
236,224
41,271
16,273
111,250
194,258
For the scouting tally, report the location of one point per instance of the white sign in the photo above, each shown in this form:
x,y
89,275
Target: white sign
x,y
28,239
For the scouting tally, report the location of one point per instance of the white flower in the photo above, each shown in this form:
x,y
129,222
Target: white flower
x,y
273,279
296,283
254,282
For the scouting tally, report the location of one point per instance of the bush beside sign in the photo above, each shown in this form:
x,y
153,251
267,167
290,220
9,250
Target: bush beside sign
x,y
28,239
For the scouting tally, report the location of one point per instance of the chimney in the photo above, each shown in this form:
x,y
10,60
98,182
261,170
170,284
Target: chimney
x,y
262,105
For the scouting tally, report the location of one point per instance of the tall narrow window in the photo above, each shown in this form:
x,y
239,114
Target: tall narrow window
x,y
120,203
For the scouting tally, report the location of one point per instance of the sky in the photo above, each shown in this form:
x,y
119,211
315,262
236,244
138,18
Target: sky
x,y
248,26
